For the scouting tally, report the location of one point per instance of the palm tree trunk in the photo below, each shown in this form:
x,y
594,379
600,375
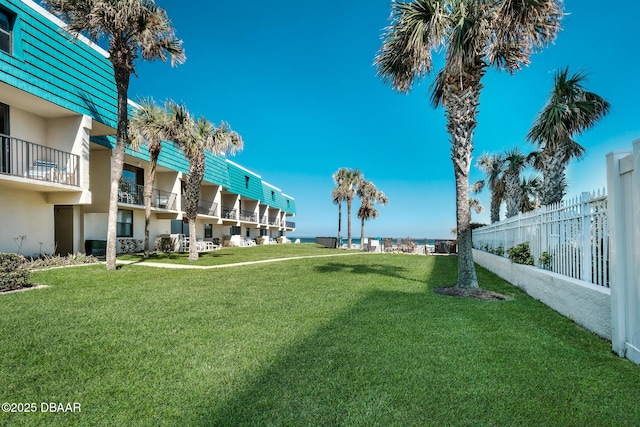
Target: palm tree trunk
x,y
461,100
122,84
194,182
148,194
339,223
513,194
553,179
496,200
362,234
349,223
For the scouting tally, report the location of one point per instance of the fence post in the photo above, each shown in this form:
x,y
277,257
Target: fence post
x,y
624,231
585,219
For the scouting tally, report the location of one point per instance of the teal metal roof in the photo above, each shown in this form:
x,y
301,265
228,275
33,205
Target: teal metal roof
x,y
47,63
244,182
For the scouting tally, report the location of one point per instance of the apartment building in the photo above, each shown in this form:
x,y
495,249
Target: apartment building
x,y
57,121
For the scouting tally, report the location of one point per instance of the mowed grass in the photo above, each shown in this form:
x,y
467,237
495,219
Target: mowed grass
x,y
235,254
359,340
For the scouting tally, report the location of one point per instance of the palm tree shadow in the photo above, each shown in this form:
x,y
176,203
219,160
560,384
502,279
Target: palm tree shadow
x,y
364,269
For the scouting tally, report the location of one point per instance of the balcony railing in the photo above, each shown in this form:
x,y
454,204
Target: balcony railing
x,y
248,216
33,161
229,213
208,207
274,220
133,194
291,224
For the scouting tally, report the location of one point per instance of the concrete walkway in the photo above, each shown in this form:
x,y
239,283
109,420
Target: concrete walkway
x,y
237,264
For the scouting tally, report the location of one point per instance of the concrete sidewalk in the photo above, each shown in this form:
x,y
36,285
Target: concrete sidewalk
x,y
237,264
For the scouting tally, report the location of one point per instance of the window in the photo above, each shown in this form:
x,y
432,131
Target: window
x,y
5,32
248,232
124,226
273,196
179,227
246,181
208,231
234,230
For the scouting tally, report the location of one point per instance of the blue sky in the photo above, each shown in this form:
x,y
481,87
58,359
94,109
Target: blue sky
x,y
296,80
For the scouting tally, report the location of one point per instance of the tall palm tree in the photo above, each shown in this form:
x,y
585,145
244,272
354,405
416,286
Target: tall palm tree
x,y
348,181
514,163
369,196
492,166
148,125
338,195
570,110
195,137
475,35
134,28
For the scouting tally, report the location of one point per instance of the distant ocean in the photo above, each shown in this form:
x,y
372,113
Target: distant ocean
x,y
356,241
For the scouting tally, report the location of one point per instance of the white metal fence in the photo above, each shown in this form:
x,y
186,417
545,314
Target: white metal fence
x,y
569,238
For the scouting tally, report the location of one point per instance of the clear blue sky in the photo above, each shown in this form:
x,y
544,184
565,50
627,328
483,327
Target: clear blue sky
x,y
296,80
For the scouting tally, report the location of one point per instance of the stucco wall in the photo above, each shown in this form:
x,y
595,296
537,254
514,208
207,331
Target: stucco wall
x,y
586,304
26,213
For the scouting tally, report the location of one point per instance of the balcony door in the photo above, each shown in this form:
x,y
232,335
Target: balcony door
x,y
5,145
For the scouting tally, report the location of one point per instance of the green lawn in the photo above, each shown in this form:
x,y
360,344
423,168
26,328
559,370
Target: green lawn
x,y
236,254
356,341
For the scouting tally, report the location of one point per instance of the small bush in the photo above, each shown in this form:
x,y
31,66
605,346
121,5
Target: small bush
x,y
545,260
259,240
13,272
164,244
130,246
521,254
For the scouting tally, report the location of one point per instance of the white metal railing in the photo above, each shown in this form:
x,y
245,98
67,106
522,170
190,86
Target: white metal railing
x,y
574,234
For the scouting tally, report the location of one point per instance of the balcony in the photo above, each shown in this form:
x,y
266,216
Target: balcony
x,y
290,224
229,213
208,207
29,160
274,221
133,194
248,216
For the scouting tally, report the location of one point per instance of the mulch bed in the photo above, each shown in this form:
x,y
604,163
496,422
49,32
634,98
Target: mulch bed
x,y
477,293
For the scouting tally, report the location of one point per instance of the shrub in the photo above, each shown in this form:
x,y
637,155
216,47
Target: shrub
x,y
521,254
13,272
48,261
259,240
545,260
164,244
499,250
129,246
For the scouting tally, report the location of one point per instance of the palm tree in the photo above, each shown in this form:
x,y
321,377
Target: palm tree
x,y
348,180
514,164
529,190
369,196
475,35
570,110
148,125
195,137
492,166
338,195
134,28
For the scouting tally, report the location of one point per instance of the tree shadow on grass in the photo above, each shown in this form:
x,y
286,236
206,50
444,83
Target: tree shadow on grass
x,y
398,358
363,269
